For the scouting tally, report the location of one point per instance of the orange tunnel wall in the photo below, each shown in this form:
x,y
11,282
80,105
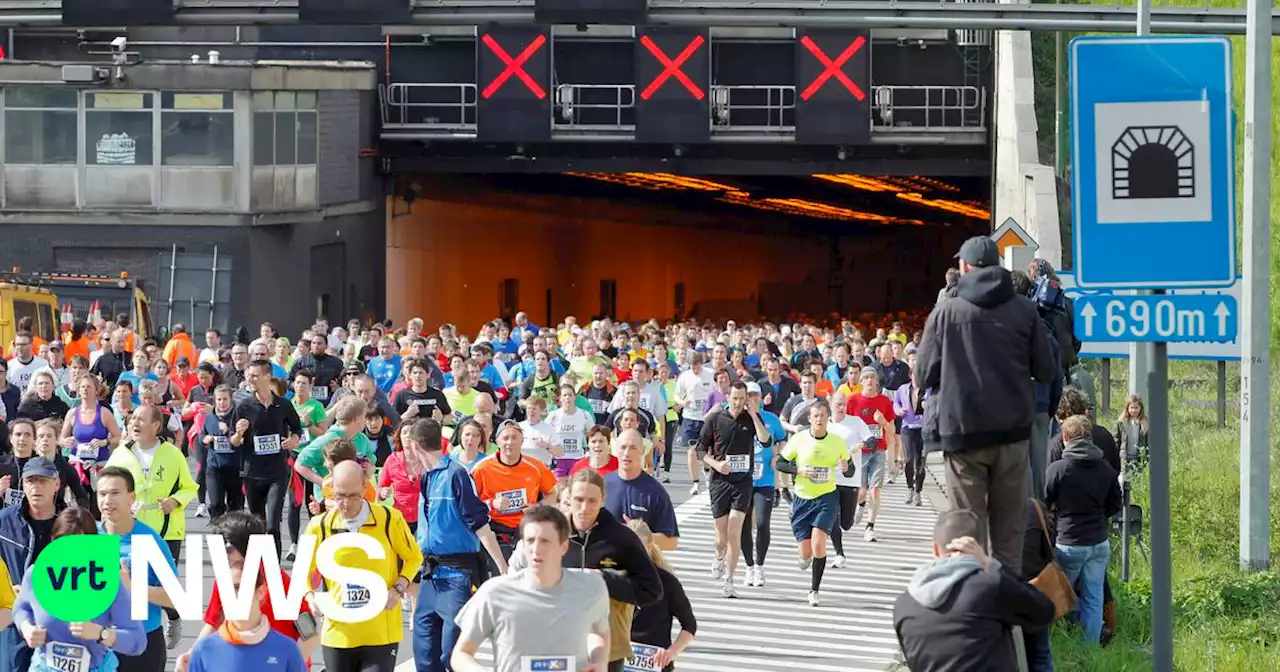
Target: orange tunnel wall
x,y
446,261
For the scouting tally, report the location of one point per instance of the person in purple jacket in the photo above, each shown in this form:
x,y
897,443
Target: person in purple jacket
x,y
77,647
907,405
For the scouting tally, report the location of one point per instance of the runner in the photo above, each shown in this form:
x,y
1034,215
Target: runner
x,y
570,609
855,434
509,484
876,410
693,387
224,491
116,500
456,528
92,646
908,406
599,457
368,646
651,645
811,456
726,446
570,424
763,468
266,426
251,644
633,494
26,528
164,489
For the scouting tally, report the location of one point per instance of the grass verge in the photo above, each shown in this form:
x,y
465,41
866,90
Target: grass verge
x,y
1224,619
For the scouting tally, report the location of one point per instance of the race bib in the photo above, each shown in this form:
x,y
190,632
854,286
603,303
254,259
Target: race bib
x,y
642,659
354,597
757,472
222,444
66,657
548,664
266,444
516,501
876,430
13,497
739,464
819,474
598,406
572,448
644,402
320,393
85,452
698,405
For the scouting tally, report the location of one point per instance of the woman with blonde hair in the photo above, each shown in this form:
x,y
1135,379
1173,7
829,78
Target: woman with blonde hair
x,y
651,625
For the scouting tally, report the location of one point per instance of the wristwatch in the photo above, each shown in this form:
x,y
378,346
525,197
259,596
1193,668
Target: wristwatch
x,y
102,636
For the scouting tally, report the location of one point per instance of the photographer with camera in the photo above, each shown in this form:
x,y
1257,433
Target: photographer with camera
x,y
1058,310
981,351
1047,394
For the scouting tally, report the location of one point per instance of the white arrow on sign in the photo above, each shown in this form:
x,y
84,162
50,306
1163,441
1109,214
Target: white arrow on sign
x,y
1088,313
1222,313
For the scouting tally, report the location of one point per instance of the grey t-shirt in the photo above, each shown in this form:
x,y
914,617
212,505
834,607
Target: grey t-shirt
x,y
521,620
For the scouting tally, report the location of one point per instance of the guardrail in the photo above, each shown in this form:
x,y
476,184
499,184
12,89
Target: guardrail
x,y
742,112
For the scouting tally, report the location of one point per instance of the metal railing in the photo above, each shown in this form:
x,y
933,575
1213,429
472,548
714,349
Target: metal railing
x,y
595,107
929,108
754,109
736,111
439,107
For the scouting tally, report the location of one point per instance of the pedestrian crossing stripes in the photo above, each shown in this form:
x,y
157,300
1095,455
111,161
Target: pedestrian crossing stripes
x,y
773,629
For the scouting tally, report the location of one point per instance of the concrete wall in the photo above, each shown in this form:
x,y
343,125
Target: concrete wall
x,y
446,260
1025,189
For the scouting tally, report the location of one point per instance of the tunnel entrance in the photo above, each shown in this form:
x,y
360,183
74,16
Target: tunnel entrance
x,y
640,245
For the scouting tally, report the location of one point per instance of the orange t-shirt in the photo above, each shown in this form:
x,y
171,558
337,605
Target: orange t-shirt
x,y
520,485
370,492
78,346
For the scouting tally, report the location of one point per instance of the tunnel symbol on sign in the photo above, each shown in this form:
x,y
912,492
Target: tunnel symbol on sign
x,y
1153,162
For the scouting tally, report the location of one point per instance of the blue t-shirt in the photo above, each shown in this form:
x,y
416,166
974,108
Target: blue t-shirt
x,y
641,498
764,456
154,612
385,372
136,381
276,653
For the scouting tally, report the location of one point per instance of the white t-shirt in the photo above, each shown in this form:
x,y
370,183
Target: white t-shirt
x,y
651,399
854,432
569,431
532,433
695,389
20,374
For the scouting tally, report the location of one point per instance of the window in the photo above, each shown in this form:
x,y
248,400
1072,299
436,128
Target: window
x,y
198,129
284,128
608,298
24,309
50,322
40,126
118,129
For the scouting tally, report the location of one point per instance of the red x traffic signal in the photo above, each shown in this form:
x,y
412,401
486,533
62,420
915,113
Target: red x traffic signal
x,y
671,67
514,66
833,68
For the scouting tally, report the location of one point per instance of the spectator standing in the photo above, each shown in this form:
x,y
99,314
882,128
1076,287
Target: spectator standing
x,y
979,356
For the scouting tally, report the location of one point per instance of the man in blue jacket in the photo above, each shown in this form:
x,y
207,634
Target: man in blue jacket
x,y
25,530
453,530
1047,397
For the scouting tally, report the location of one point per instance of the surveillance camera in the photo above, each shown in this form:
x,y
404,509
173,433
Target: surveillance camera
x,y
120,43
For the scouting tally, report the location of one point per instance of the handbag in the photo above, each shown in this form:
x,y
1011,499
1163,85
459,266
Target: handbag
x,y
1052,581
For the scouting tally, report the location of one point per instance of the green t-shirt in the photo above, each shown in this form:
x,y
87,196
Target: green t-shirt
x,y
312,455
824,454
310,413
585,405
463,405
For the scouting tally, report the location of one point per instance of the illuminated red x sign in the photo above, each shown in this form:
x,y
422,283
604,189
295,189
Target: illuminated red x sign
x,y
671,67
833,68
515,66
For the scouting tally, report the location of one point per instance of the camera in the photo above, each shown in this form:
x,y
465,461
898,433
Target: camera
x,y
1048,295
120,43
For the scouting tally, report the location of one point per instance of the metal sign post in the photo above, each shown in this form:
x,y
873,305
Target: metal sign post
x,y
1153,170
1255,360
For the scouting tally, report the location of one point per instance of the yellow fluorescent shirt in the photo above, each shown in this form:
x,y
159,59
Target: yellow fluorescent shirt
x,y
824,454
387,525
7,593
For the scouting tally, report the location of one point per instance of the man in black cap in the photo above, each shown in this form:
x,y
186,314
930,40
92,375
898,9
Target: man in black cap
x,y
25,530
980,352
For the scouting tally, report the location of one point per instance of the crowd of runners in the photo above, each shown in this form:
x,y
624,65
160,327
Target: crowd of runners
x,y
485,465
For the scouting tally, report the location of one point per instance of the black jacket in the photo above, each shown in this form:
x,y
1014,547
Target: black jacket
x,y
616,551
37,409
979,354
1085,492
955,616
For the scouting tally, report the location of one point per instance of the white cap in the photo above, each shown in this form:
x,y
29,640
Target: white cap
x,y
753,388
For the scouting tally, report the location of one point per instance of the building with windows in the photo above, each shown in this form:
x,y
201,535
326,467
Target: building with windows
x,y
199,179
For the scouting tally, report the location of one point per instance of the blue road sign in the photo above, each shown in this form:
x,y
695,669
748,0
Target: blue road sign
x,y
1171,319
1153,162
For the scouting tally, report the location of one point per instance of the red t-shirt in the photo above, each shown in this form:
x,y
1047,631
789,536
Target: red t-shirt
x,y
213,615
864,408
585,463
